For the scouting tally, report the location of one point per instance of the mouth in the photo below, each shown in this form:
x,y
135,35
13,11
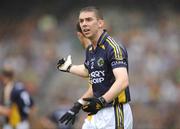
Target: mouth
x,y
86,31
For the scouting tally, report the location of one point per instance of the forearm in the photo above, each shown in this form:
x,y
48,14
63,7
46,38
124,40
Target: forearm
x,y
114,91
4,111
79,70
118,86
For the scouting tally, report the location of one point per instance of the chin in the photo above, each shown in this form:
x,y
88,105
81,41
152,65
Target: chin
x,y
88,36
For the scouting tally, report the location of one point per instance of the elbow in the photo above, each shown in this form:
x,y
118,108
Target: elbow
x,y
126,84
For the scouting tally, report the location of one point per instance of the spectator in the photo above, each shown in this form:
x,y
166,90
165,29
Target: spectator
x,y
17,103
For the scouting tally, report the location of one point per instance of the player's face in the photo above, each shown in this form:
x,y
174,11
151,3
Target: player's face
x,y
89,24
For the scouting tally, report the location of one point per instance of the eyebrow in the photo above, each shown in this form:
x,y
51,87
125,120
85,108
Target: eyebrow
x,y
86,18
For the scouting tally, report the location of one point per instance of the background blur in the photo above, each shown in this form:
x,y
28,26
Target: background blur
x,y
35,34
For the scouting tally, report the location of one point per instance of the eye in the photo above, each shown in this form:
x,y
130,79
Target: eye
x,y
89,19
81,21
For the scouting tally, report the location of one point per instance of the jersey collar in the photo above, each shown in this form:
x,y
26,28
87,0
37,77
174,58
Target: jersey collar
x,y
102,38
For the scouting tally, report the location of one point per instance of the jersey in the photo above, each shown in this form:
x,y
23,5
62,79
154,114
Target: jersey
x,y
100,63
20,104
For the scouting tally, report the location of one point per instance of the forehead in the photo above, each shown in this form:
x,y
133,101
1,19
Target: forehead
x,y
86,14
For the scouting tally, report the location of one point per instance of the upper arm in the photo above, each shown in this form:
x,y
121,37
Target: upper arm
x,y
120,74
117,57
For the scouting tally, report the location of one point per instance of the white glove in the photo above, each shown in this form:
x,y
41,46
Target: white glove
x,y
64,65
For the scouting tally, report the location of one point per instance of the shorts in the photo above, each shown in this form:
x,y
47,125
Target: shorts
x,y
114,117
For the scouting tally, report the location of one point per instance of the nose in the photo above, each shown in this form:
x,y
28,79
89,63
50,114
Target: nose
x,y
84,23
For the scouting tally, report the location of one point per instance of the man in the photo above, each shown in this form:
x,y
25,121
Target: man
x,y
106,65
17,102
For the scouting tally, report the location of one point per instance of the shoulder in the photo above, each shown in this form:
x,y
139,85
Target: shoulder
x,y
110,43
18,88
115,48
113,45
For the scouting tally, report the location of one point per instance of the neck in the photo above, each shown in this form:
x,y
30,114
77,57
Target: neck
x,y
95,39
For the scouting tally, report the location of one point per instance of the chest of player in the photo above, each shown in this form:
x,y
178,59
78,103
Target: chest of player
x,y
97,61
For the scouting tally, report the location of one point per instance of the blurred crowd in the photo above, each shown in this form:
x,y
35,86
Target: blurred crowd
x,y
34,45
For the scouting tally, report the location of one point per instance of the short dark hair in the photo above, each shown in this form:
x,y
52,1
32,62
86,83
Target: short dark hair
x,y
92,9
9,73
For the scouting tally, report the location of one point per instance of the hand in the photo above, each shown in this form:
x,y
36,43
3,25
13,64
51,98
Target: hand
x,y
94,105
85,42
78,28
64,65
70,115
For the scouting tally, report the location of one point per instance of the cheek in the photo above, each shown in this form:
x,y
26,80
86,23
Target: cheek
x,y
95,27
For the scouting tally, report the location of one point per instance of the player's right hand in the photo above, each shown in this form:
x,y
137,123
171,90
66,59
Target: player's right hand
x,y
94,105
69,116
78,28
64,65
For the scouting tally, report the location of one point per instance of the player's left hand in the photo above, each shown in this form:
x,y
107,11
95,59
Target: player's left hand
x,y
94,105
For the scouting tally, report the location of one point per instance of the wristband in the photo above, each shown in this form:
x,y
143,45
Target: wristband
x,y
68,69
81,101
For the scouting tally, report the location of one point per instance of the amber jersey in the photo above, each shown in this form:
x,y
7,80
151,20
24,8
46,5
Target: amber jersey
x,y
100,63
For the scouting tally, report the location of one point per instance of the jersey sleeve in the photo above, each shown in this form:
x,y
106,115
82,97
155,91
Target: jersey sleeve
x,y
117,56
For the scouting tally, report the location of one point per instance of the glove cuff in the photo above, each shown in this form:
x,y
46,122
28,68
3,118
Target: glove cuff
x,y
78,105
103,101
81,101
69,67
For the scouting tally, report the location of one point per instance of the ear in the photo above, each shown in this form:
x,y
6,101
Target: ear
x,y
101,23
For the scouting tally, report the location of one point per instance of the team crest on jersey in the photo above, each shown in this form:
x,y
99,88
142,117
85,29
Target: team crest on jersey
x,y
100,62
